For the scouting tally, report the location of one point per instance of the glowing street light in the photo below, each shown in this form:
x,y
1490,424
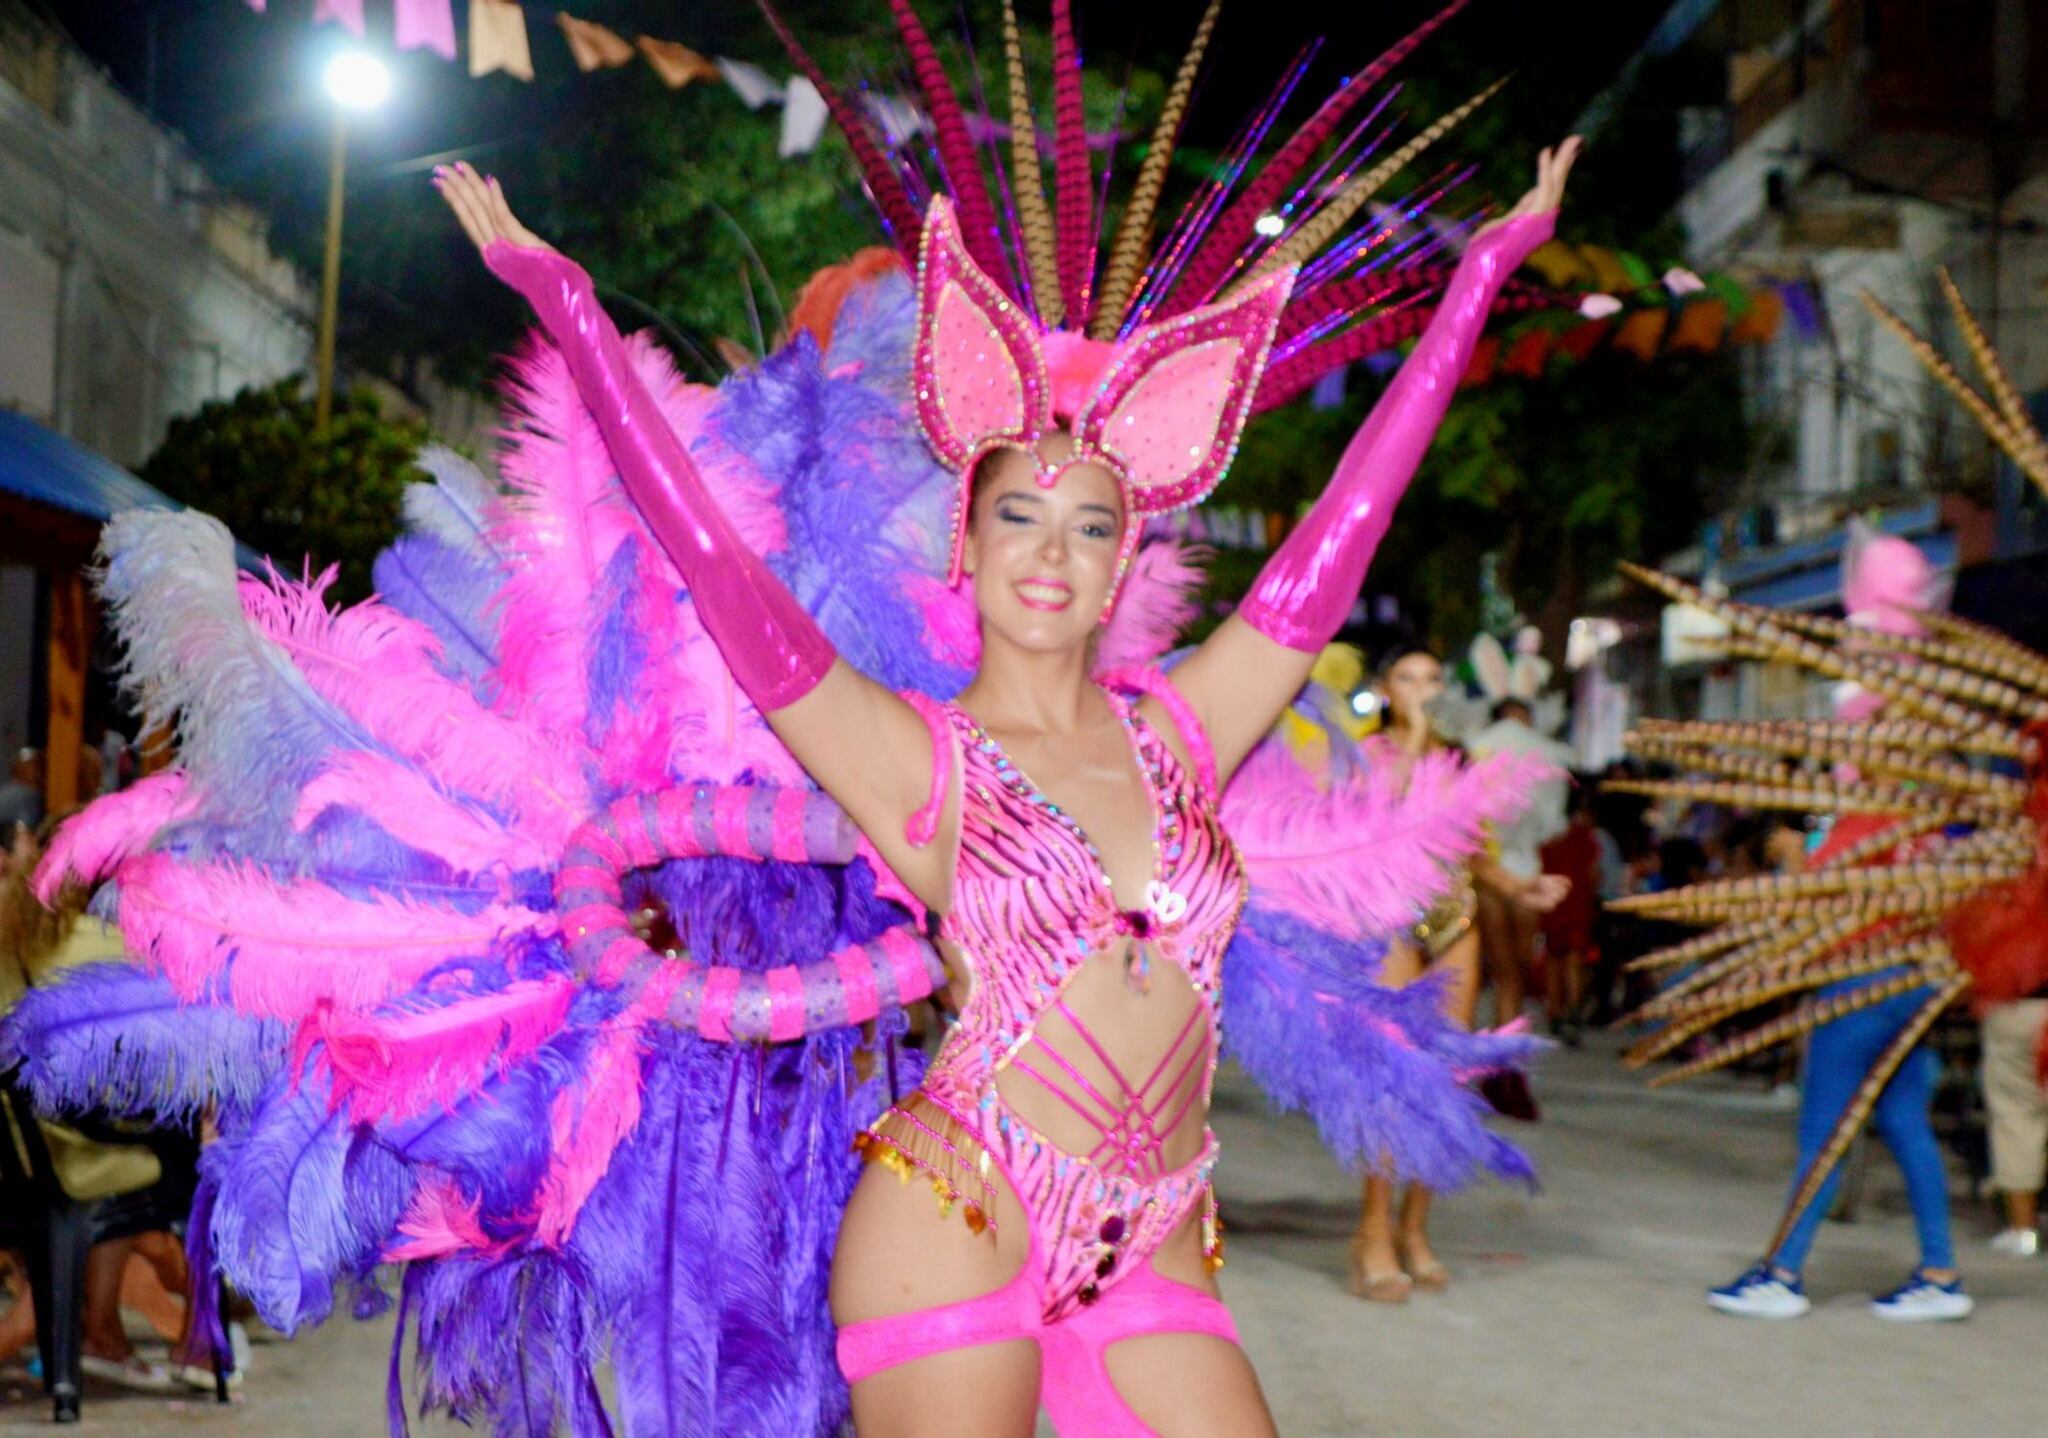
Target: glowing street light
x,y
357,82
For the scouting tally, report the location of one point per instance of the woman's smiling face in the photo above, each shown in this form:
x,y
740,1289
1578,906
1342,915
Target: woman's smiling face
x,y
1044,560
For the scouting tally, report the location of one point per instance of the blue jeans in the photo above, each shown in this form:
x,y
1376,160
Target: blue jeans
x,y
1841,1054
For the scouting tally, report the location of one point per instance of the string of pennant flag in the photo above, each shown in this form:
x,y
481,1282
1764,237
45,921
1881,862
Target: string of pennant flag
x,y
499,42
1591,298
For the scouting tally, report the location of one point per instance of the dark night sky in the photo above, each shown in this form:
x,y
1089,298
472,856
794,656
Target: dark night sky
x,y
243,87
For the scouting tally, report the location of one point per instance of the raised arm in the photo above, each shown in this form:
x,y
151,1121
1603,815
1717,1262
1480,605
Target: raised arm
x,y
863,744
1258,659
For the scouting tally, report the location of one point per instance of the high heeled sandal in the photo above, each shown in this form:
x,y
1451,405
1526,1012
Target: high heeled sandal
x,y
1430,1277
1373,1287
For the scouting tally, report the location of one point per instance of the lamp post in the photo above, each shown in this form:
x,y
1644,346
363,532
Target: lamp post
x,y
355,80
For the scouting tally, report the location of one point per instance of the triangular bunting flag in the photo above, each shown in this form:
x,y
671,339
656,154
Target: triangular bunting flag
x,y
426,25
592,46
347,13
677,65
755,86
497,39
803,118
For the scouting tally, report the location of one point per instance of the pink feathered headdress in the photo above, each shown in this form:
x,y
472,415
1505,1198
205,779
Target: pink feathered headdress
x,y
1887,584
1161,410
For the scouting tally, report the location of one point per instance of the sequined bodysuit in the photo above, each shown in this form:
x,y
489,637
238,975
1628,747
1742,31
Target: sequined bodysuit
x,y
1032,905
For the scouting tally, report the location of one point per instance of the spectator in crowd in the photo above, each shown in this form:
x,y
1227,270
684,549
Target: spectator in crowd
x,y
21,796
1578,856
2015,1033
36,945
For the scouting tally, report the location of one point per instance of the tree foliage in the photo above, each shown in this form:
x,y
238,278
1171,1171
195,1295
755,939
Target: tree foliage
x,y
256,463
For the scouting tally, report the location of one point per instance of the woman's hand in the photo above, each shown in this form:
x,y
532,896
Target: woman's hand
x,y
479,204
1553,167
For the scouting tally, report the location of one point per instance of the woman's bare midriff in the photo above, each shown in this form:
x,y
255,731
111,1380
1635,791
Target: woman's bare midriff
x,y
901,1250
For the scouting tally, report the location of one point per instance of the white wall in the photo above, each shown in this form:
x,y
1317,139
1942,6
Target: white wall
x,y
163,297
30,283
1858,405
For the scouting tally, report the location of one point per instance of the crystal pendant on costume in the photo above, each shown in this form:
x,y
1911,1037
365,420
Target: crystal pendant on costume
x,y
1138,967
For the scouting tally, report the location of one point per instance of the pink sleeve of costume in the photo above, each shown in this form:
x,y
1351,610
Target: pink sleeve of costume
x,y
1307,588
774,649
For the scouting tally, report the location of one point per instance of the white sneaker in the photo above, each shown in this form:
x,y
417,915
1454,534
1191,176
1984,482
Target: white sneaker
x,y
1921,1300
2017,1243
1760,1293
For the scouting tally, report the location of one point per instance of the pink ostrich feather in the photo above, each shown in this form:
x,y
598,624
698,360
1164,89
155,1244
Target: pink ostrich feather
x,y
1365,855
724,736
591,1120
564,519
388,1066
377,666
1156,605
410,809
90,844
441,1220
952,625
286,947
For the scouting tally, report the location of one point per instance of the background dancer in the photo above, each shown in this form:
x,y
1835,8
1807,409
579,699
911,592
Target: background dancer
x,y
1390,1251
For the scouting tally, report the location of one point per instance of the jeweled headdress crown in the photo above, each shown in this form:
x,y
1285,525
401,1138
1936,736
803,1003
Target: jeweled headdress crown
x,y
1152,354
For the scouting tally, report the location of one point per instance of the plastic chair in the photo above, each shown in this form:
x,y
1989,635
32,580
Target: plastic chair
x,y
55,1233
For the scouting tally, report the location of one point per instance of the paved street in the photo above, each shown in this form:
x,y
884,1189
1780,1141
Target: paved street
x,y
1575,1312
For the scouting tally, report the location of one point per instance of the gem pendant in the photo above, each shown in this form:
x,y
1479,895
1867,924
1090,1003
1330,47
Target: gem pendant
x,y
1138,968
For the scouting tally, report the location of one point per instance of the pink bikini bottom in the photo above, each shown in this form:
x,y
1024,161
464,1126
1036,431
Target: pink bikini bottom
x,y
1074,1382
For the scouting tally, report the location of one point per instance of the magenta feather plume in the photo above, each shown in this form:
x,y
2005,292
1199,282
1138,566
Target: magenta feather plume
x,y
284,948
440,1220
592,1119
957,152
1365,854
1156,605
884,184
1288,377
388,1065
88,846
952,625
1355,294
561,523
1074,181
407,806
725,737
1226,242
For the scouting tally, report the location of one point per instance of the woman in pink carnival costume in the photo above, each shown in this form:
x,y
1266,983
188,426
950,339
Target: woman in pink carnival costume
x,y
522,925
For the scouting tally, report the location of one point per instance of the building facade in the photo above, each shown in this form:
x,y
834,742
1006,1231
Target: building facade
x,y
1833,149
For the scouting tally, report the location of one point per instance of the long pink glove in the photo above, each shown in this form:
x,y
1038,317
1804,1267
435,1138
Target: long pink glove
x,y
775,650
1307,588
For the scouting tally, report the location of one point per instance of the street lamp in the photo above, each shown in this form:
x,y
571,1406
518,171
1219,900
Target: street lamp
x,y
356,81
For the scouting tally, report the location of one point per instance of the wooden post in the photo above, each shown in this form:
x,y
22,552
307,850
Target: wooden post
x,y
158,750
70,644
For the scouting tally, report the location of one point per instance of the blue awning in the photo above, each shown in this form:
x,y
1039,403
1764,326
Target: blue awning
x,y
42,466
